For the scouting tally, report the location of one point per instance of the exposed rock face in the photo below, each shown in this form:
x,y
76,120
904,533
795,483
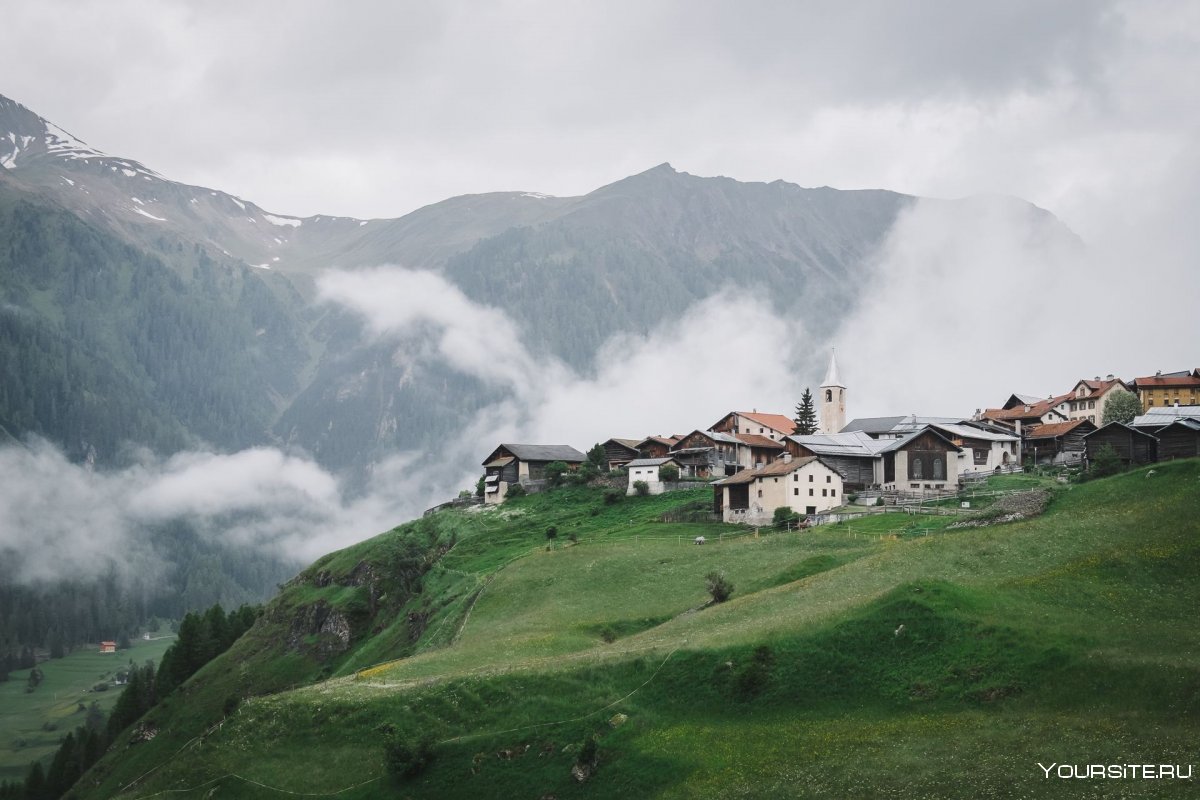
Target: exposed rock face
x,y
327,624
1011,508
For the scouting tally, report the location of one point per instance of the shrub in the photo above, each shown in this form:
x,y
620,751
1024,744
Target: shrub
x,y
641,488
515,490
407,758
783,516
1106,462
753,677
554,473
587,753
573,537
588,472
719,587
612,496
608,634
668,473
879,501
552,533
479,486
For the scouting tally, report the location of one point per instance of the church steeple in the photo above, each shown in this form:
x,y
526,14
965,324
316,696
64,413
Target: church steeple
x,y
833,398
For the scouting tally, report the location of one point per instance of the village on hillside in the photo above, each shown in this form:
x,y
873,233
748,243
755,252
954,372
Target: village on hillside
x,y
816,461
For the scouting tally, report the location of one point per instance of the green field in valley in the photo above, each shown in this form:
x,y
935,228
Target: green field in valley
x,y
884,657
33,723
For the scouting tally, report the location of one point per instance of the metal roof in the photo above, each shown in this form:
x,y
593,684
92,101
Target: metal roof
x,y
544,452
853,443
650,462
872,424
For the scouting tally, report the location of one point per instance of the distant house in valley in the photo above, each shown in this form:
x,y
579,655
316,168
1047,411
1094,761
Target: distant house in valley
x,y
703,454
656,446
921,460
108,647
1170,389
1131,445
772,426
619,452
1058,442
805,485
522,463
647,469
1088,398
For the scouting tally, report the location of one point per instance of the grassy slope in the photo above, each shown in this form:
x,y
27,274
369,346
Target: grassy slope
x,y
1068,638
24,716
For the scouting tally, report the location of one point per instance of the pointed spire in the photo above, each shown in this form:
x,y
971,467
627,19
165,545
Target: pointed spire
x,y
831,375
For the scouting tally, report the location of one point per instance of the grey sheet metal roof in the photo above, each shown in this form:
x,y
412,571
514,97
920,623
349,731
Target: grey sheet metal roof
x,y
544,452
872,424
854,444
650,462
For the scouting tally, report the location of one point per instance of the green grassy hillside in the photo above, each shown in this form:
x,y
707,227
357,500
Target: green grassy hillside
x,y
1068,638
33,723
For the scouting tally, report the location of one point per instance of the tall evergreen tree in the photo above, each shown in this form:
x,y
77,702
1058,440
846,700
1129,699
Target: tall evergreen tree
x,y
806,415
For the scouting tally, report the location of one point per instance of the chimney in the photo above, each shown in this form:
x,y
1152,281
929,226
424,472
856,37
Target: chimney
x,y
1109,377
1028,408
1097,377
787,458
1158,374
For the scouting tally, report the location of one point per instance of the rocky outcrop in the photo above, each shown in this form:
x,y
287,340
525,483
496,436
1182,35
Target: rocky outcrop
x,y
319,630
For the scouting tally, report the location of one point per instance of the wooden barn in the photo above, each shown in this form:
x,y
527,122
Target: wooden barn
x,y
619,452
703,454
1131,445
522,463
1058,442
656,446
1180,439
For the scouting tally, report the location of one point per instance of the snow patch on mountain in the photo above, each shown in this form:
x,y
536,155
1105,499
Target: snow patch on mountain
x,y
148,214
289,222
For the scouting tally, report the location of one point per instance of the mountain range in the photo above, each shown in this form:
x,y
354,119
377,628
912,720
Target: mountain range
x,y
137,309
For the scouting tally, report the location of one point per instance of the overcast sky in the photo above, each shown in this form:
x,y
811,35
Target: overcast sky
x,y
374,109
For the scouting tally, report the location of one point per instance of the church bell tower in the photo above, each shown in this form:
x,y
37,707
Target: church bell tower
x,y
833,399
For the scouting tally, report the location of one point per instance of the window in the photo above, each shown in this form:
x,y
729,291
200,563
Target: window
x,y
824,493
1091,403
810,478
914,486
918,468
833,492
939,471
829,395
760,492
810,492
795,476
796,491
829,479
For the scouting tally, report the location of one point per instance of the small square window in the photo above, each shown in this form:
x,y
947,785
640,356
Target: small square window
x,y
810,478
829,479
824,492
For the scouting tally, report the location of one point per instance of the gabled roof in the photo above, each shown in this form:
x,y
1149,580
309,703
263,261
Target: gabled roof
x,y
1055,429
714,436
1119,425
669,441
854,444
1164,381
1098,386
1190,424
631,444
899,444
872,424
776,422
1037,409
650,462
756,440
540,452
774,469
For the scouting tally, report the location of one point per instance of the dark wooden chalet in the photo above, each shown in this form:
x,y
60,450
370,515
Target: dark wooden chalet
x,y
1131,445
1180,439
619,452
656,446
853,455
521,463
1057,442
703,454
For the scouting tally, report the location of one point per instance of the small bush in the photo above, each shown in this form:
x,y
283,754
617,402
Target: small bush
x,y
784,516
878,501
515,490
554,473
552,533
753,677
573,537
407,758
608,634
719,587
594,511
668,473
612,496
231,705
588,472
588,752
641,488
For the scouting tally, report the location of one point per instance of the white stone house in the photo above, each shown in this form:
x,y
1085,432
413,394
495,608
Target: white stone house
x,y
647,469
805,485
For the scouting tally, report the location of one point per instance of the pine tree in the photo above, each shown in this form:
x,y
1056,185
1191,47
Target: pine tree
x,y
806,415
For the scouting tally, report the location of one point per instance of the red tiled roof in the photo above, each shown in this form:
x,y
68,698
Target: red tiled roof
x,y
1053,429
776,422
755,440
1161,381
774,468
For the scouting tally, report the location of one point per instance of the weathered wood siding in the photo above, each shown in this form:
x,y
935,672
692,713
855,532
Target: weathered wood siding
x,y
1178,441
1131,447
616,453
